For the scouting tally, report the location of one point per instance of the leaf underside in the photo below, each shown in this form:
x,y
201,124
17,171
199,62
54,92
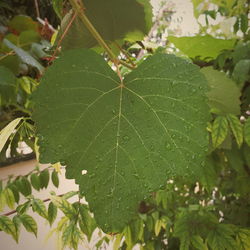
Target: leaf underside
x,y
129,137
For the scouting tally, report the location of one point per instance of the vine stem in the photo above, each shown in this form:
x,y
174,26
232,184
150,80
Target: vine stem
x,y
79,9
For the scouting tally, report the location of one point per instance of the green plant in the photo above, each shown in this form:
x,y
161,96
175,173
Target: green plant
x,y
159,148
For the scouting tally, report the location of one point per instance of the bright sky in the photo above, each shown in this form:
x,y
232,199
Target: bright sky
x,y
184,9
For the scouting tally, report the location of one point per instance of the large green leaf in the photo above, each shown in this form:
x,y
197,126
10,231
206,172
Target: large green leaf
x,y
224,95
201,46
113,19
128,137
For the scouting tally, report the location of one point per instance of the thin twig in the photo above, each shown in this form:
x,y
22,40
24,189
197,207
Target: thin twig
x,y
37,8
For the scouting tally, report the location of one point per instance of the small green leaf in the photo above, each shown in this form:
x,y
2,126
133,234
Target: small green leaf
x,y
9,198
17,224
44,178
247,131
39,207
15,191
8,226
236,128
23,207
25,186
219,130
52,213
71,236
6,132
157,227
2,201
64,206
241,71
55,179
87,223
136,228
29,223
35,181
243,239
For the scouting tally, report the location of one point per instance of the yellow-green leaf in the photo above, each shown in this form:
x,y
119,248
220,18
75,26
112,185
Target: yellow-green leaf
x,y
219,130
247,131
9,198
236,128
29,223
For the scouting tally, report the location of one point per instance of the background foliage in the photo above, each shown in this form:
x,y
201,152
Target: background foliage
x,y
186,213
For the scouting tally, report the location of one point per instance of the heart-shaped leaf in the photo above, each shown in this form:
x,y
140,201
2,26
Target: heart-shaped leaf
x,y
121,140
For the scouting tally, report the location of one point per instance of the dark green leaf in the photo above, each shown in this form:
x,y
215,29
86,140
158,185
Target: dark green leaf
x,y
8,88
55,179
243,22
219,130
44,178
52,213
224,96
24,56
241,71
25,186
236,128
198,242
113,19
39,207
118,150
201,46
35,181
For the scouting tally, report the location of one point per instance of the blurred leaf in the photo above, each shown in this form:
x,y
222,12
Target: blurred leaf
x,y
241,71
113,19
198,242
243,239
243,22
219,130
39,207
22,23
8,90
2,201
29,223
201,46
224,96
71,236
58,7
55,179
236,128
52,213
24,56
44,178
